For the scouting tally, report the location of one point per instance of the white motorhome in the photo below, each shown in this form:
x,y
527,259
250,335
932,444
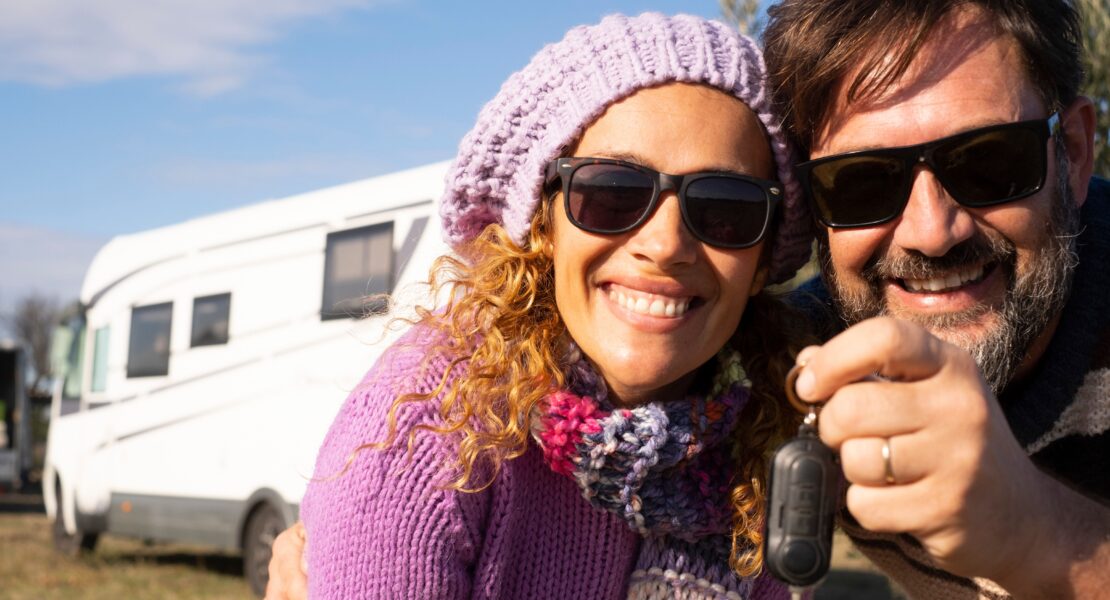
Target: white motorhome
x,y
212,356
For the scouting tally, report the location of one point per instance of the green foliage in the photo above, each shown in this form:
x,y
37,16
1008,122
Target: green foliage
x,y
1096,63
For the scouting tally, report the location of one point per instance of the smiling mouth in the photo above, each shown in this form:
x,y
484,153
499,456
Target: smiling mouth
x,y
947,283
653,305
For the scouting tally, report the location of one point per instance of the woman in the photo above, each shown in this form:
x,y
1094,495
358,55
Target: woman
x,y
577,421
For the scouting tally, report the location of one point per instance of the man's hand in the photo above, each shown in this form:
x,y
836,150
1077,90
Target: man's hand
x,y
288,569
957,479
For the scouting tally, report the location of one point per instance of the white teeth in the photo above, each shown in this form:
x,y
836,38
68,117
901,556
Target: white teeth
x,y
656,306
951,281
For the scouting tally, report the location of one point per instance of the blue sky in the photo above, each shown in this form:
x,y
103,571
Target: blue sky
x,y
122,115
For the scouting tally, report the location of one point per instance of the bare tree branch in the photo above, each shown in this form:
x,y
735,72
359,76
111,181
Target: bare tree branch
x,y
32,323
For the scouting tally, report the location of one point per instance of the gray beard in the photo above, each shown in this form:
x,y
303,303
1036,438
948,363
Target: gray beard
x,y
1032,299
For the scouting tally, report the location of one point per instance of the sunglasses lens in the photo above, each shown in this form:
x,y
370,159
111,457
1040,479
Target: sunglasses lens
x,y
608,198
992,167
727,212
857,190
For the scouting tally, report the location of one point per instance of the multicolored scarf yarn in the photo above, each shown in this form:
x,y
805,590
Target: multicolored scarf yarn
x,y
665,467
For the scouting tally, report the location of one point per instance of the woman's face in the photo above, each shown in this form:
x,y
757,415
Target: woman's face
x,y
605,285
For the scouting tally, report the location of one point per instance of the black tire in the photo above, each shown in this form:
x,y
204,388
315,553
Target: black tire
x,y
71,545
263,526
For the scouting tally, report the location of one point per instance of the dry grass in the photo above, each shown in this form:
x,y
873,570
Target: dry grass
x,y
119,568
123,568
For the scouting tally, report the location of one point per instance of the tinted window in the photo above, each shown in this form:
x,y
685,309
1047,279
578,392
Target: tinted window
x,y
148,352
358,264
210,319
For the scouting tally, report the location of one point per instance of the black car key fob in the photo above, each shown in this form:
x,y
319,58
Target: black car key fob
x,y
801,504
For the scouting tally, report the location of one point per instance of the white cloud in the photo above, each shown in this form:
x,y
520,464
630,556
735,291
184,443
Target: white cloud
x,y
212,44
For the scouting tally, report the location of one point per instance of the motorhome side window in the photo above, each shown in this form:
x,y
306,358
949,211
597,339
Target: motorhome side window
x,y
210,320
148,352
100,360
358,263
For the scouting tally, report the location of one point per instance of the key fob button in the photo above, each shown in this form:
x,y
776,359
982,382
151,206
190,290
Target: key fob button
x,y
806,469
800,558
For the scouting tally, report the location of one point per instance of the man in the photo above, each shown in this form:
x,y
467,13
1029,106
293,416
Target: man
x,y
965,237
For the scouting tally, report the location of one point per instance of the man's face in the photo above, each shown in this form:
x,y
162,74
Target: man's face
x,y
991,280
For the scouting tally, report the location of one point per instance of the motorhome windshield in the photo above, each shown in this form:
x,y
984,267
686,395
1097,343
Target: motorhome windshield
x,y
67,353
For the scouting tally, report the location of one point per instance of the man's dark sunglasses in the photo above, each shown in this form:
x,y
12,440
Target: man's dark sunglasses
x,y
980,167
609,196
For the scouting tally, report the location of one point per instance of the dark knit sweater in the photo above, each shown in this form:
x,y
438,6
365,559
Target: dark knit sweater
x,y
1061,412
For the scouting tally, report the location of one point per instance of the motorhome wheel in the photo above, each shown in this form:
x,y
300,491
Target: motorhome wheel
x,y
69,544
264,524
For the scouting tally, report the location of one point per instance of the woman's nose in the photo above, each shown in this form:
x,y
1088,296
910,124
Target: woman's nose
x,y
664,239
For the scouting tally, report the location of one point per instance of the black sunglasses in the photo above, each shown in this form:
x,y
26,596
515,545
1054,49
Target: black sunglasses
x,y
608,196
980,167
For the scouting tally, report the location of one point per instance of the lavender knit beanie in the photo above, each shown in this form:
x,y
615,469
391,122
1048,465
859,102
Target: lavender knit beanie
x,y
497,176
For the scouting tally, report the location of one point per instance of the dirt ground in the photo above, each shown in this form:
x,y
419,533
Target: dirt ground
x,y
123,568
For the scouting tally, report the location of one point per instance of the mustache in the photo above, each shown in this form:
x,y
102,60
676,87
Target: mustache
x,y
911,264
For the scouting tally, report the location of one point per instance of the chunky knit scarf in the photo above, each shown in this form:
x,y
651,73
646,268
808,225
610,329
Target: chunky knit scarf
x,y
665,467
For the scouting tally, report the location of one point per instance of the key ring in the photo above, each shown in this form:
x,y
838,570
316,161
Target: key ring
x,y
792,396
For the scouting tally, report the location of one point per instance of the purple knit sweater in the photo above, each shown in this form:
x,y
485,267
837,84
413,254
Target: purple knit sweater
x,y
384,529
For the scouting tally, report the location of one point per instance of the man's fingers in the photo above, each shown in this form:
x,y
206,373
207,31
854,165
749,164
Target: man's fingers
x,y
889,347
298,589
881,462
892,508
299,530
288,569
871,409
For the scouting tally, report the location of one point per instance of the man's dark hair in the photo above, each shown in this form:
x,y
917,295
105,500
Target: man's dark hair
x,y
812,45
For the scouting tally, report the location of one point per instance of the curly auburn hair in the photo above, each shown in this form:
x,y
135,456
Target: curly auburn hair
x,y
502,328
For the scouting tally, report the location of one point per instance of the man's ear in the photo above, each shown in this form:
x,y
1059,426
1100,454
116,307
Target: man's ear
x,y
1078,125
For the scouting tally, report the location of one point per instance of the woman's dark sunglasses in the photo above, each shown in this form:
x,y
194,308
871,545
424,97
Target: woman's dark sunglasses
x,y
980,167
608,196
